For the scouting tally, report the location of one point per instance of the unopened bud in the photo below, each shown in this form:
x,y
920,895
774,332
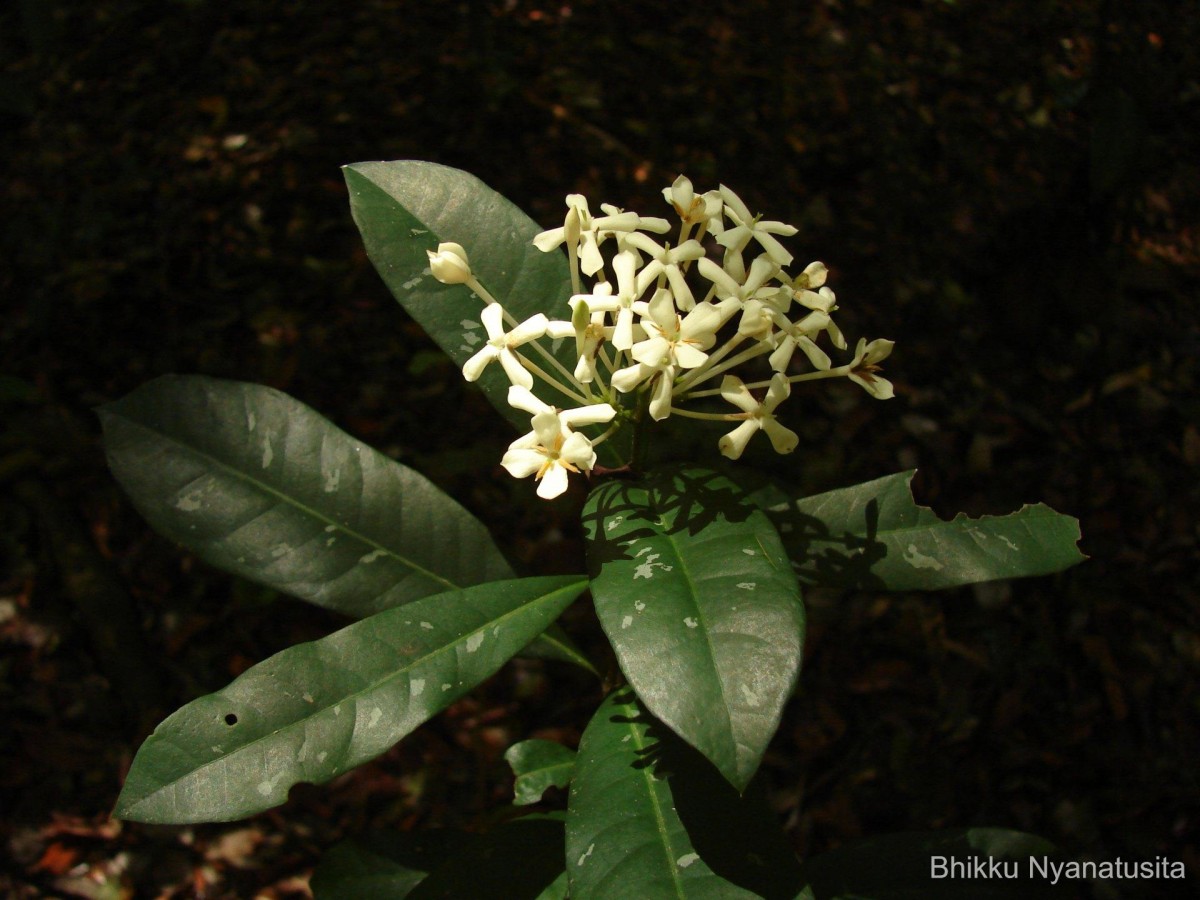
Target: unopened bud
x,y
449,265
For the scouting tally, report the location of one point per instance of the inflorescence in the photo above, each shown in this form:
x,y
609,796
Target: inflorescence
x,y
646,329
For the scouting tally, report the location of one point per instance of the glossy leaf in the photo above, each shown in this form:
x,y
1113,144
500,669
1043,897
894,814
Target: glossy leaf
x,y
874,535
902,867
406,207
695,593
318,709
537,766
258,484
649,817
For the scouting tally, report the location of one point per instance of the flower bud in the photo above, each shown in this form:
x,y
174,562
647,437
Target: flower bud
x,y
449,265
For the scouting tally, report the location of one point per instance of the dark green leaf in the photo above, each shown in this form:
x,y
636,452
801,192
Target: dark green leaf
x,y
261,485
695,593
537,766
902,866
874,535
316,710
406,207
650,817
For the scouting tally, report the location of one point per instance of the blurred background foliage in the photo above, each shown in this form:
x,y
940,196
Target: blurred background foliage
x,y
1009,190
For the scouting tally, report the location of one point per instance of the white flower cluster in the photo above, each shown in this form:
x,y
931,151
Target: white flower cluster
x,y
646,329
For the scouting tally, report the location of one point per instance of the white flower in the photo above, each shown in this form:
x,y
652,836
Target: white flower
x,y
579,227
672,341
748,228
811,278
625,380
757,416
668,263
501,345
694,208
799,334
449,264
622,303
552,449
641,223
548,454
864,366
593,414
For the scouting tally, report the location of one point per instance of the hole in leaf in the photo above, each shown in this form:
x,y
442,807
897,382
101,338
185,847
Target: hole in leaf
x,y
230,719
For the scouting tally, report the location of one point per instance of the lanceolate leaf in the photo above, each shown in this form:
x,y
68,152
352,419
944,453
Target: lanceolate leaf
x,y
261,485
538,765
696,595
625,835
405,208
316,710
874,535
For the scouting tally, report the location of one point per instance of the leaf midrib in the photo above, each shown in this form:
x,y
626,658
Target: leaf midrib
x,y
491,623
294,503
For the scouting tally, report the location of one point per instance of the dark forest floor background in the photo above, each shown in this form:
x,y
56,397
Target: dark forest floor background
x,y
1009,190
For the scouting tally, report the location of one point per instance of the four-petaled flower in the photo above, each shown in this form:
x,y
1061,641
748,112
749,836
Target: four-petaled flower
x,y
748,227
551,449
865,364
501,345
756,416
674,340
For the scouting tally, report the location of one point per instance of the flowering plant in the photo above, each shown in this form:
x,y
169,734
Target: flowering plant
x,y
602,329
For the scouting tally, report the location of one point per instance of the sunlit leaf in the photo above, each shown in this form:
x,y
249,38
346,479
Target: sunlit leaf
x,y
318,709
874,535
697,597
406,207
537,766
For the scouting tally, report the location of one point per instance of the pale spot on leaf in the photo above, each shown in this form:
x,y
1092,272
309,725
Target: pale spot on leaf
x,y
586,854
918,560
372,556
474,641
417,687
691,622
686,860
626,621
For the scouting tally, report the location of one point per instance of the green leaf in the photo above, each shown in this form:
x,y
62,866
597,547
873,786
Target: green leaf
x,y
258,484
901,867
649,817
406,207
537,766
316,710
874,535
695,593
